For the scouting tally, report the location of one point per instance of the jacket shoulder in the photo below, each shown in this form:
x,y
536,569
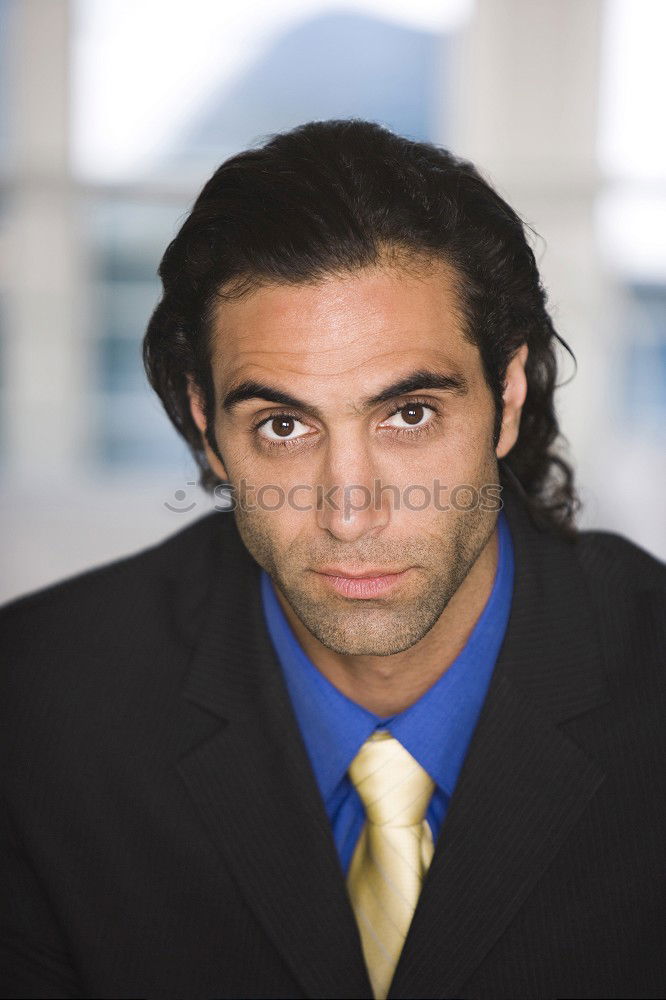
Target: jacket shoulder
x,y
627,587
118,611
619,564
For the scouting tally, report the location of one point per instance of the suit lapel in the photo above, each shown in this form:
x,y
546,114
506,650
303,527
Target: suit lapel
x,y
523,784
253,784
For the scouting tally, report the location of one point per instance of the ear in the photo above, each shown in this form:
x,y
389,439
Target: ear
x,y
515,391
196,404
199,418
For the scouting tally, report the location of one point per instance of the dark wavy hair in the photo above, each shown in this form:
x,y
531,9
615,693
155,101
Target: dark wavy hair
x,y
333,196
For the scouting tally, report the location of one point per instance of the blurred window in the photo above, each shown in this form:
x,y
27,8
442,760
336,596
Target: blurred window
x,y
126,238
4,156
632,206
4,86
644,360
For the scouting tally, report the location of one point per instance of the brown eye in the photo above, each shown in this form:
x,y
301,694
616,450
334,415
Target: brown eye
x,y
411,416
412,413
282,426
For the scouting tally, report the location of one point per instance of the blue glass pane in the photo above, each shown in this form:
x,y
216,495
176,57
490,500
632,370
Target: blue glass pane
x,y
644,370
133,430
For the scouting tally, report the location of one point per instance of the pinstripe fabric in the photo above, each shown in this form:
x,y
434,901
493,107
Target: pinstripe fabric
x,y
393,852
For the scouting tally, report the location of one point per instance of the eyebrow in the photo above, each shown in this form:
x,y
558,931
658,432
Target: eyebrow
x,y
421,380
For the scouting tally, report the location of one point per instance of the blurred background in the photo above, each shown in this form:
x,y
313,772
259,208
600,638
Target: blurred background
x,y
113,113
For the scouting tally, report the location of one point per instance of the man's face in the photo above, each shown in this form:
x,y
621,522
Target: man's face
x,y
347,484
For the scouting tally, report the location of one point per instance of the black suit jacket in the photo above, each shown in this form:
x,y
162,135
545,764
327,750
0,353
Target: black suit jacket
x,y
162,830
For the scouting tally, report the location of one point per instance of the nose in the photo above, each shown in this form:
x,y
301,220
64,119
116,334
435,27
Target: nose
x,y
350,501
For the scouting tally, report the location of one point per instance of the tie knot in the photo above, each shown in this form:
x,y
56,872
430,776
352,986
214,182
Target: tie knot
x,y
393,786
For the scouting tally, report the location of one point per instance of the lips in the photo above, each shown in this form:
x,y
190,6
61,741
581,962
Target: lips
x,y
365,573
363,587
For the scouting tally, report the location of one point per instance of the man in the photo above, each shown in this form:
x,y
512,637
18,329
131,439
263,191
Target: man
x,y
393,727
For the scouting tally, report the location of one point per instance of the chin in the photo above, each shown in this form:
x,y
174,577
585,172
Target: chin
x,y
360,635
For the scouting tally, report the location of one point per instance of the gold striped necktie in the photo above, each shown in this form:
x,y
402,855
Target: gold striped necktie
x,y
393,852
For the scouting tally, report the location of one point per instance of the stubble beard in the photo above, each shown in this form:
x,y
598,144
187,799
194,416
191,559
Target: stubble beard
x,y
378,627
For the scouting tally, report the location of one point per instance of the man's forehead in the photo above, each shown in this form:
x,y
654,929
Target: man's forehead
x,y
368,293
366,368
370,324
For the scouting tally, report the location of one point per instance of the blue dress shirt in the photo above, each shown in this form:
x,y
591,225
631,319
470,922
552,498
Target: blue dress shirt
x,y
436,729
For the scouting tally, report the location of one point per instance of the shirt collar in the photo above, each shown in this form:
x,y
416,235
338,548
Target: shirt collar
x,y
436,729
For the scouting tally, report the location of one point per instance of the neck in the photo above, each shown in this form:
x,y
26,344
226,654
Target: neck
x,y
387,685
